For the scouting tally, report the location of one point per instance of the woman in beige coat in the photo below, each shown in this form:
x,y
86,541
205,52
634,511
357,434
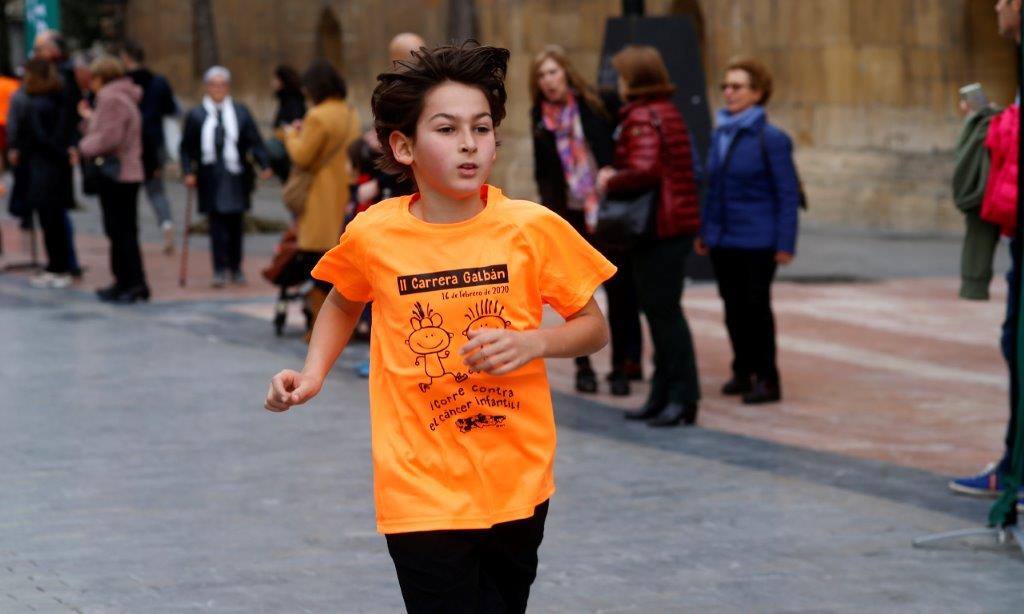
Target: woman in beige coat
x,y
318,145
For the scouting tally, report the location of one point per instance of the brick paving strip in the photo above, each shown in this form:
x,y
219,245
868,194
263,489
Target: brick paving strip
x,y
899,371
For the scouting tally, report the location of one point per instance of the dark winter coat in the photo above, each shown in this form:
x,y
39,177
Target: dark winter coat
x,y
547,165
250,146
43,149
291,105
753,193
156,104
652,148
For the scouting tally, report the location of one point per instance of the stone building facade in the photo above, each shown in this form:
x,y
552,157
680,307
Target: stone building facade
x,y
867,88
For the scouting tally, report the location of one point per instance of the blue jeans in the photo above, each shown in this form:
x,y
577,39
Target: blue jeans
x,y
1007,343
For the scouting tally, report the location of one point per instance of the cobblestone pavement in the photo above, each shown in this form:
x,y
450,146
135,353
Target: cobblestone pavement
x,y
140,474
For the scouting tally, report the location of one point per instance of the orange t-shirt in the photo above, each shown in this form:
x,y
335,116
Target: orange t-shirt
x,y
455,449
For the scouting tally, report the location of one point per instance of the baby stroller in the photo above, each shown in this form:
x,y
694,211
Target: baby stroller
x,y
290,273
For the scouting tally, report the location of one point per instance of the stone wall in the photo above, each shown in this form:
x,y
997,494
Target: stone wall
x,y
867,88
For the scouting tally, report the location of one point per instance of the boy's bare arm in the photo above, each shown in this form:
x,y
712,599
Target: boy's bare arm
x,y
502,351
334,325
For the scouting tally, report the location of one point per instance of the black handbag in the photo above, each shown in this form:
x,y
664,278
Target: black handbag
x,y
624,222
96,170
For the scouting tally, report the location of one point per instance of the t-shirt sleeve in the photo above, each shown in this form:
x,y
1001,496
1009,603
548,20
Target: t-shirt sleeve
x,y
344,266
570,268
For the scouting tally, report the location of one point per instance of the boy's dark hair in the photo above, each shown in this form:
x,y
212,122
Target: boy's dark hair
x,y
400,93
322,81
134,51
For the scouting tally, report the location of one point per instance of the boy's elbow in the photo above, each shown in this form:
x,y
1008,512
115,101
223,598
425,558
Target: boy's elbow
x,y
602,335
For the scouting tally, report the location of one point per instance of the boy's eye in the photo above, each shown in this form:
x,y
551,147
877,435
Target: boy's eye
x,y
483,129
446,129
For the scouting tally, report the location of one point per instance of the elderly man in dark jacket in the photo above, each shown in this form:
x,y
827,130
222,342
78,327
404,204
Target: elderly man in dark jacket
x,y
219,137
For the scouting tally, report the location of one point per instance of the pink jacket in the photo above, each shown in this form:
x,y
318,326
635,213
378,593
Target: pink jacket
x,y
115,128
999,205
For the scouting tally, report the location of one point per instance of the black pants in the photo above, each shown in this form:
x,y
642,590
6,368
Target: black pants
x,y
623,312
745,284
623,309
658,271
55,238
464,571
119,202
226,241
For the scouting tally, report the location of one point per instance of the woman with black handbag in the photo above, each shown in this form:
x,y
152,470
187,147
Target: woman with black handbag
x,y
572,139
112,152
654,168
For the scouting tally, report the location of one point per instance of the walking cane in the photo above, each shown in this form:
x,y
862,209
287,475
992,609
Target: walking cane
x,y
183,272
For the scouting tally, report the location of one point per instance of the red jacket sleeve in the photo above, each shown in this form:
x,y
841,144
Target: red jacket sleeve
x,y
637,156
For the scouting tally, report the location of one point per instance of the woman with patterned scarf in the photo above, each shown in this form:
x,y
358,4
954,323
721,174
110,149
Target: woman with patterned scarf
x,y
572,139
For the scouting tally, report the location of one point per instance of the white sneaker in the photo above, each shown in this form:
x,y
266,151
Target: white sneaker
x,y
168,230
43,280
50,280
61,280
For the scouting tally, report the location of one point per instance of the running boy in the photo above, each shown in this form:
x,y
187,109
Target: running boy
x,y
463,428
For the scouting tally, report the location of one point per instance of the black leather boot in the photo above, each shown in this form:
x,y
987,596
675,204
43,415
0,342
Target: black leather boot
x,y
763,392
674,414
109,293
586,380
737,385
650,409
619,383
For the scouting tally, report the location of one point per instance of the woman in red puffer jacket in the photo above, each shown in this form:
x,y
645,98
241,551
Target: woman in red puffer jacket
x,y
652,151
999,205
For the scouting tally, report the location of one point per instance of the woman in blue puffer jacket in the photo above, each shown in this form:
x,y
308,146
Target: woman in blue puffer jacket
x,y
749,224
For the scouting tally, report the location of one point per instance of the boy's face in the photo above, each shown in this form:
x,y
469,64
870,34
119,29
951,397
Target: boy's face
x,y
454,147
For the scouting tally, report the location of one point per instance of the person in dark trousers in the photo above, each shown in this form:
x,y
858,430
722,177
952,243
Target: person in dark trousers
x,y
43,157
114,129
652,152
291,108
572,140
750,225
992,480
156,104
218,138
51,46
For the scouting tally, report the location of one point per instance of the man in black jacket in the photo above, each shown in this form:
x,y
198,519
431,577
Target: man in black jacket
x,y
218,140
156,104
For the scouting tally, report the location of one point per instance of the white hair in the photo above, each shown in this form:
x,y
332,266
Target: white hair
x,y
217,72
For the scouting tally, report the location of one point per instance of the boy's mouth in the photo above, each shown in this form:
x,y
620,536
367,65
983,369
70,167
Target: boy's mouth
x,y
468,169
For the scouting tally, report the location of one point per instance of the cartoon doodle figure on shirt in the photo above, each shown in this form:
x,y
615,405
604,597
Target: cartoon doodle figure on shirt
x,y
486,314
430,343
479,421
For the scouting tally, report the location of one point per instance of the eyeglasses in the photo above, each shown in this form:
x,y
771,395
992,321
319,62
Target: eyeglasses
x,y
732,86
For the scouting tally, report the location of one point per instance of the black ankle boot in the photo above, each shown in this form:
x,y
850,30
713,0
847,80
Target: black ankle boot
x,y
675,413
619,383
109,293
650,409
737,385
763,392
586,380
133,294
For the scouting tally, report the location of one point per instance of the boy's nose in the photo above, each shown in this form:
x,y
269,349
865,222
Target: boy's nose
x,y
468,143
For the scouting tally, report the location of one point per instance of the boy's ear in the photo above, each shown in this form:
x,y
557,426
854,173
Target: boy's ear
x,y
401,147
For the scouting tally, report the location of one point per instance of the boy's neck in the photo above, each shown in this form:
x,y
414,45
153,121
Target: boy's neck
x,y
437,208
